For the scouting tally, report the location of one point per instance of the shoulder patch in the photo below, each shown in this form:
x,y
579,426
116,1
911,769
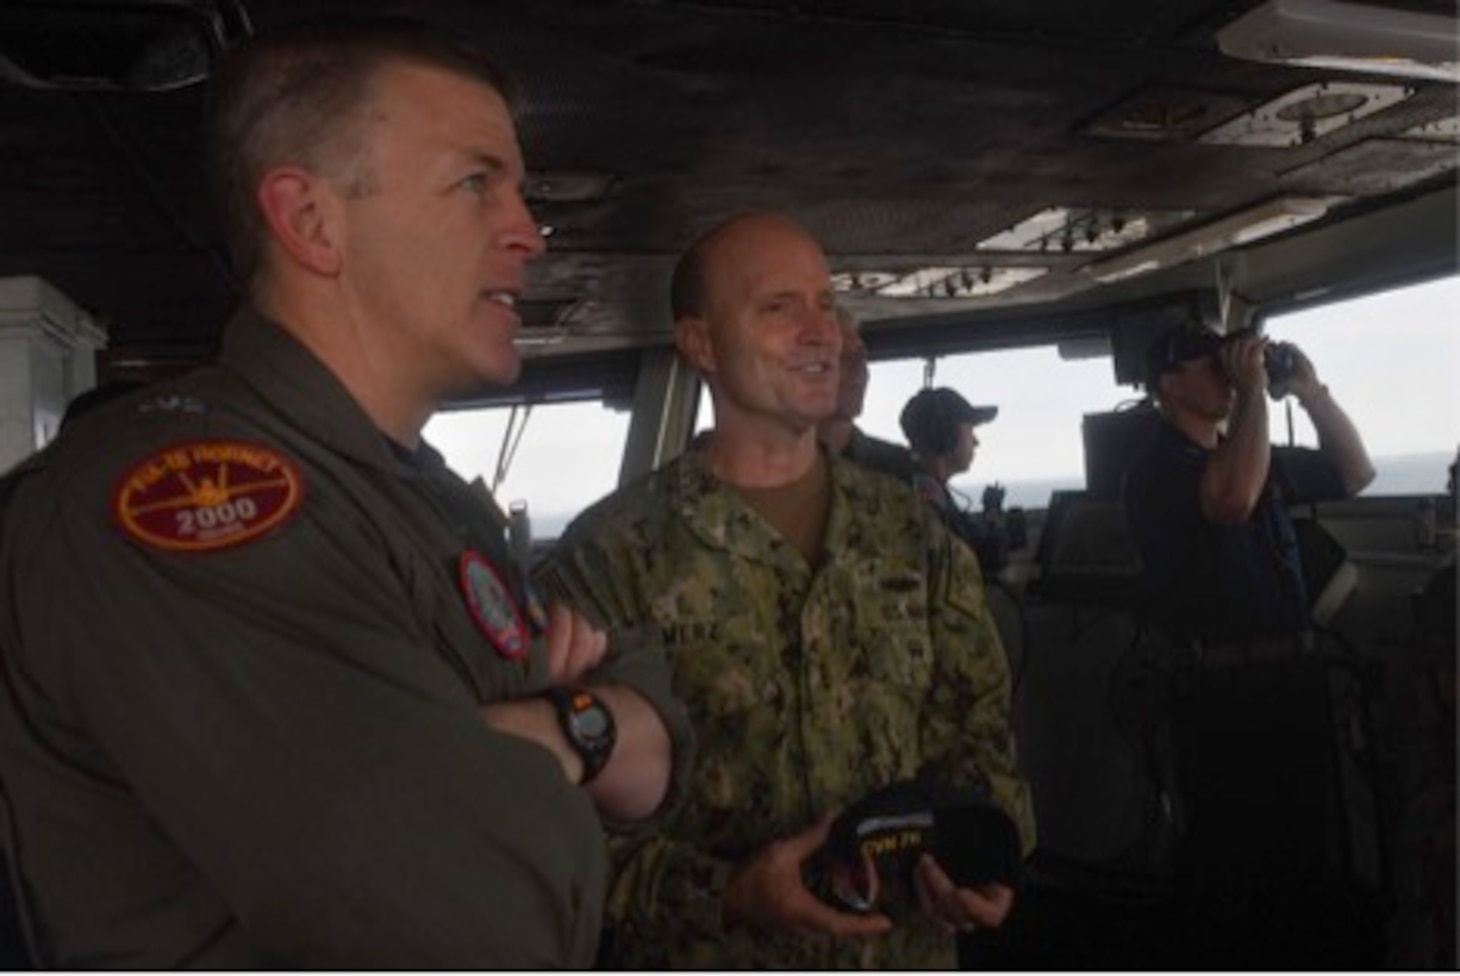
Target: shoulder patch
x,y
491,606
202,496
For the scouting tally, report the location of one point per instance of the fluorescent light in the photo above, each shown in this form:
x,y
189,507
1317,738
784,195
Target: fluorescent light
x,y
1261,221
1059,229
958,282
1345,36
944,281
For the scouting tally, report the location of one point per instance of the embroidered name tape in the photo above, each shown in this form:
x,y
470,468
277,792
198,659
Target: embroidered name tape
x,y
207,495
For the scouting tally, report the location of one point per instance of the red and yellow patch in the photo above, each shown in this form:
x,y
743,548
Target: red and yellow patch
x,y
207,495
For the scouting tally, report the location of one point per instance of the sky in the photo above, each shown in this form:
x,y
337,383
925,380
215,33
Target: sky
x,y
1391,360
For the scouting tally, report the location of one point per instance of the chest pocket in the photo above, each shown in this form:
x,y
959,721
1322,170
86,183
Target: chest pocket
x,y
891,620
890,624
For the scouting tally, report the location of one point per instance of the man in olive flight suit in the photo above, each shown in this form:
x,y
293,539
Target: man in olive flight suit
x,y
827,634
274,693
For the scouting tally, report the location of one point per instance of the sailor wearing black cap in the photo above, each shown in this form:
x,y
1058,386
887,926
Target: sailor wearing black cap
x,y
939,425
1208,503
1252,713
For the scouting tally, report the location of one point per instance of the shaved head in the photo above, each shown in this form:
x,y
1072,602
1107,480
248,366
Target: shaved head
x,y
756,317
691,288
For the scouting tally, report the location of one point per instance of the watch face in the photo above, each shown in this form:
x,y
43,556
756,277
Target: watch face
x,y
589,726
591,722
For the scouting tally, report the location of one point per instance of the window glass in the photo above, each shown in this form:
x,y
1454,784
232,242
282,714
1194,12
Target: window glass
x,y
1392,361
568,456
1033,447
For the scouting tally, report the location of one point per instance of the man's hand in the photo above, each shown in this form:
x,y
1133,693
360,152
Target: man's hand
x,y
636,779
574,646
574,649
767,891
960,909
1304,382
1242,361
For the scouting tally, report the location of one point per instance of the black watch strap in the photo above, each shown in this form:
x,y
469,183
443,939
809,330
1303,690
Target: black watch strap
x,y
588,726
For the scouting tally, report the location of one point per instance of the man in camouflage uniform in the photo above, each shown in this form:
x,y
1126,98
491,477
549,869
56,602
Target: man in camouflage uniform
x,y
825,631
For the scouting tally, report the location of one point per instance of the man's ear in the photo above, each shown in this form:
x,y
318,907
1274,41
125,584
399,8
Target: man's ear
x,y
303,215
692,339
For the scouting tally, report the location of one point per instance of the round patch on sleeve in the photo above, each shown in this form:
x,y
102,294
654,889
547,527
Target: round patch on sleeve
x,y
491,606
207,495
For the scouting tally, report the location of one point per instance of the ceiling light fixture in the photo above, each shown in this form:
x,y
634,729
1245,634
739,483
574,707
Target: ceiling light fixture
x,y
1264,220
1084,229
943,281
1345,36
1307,113
958,282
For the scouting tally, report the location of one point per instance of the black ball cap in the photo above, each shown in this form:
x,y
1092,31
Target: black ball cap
x,y
969,836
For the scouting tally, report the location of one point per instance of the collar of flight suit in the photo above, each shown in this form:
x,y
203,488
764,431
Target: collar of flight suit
x,y
290,377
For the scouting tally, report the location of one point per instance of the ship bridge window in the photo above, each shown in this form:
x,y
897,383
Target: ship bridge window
x,y
1034,447
1390,360
567,457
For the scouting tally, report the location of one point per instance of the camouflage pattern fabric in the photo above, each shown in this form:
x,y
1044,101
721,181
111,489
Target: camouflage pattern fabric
x,y
807,687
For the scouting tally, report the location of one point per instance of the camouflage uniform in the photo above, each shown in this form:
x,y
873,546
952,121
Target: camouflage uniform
x,y
807,687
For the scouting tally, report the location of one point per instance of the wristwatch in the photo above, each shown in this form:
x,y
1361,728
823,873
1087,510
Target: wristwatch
x,y
588,725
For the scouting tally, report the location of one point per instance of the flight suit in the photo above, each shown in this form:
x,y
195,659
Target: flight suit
x,y
245,642
808,686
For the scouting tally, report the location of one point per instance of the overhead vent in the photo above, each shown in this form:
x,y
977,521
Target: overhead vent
x,y
1307,113
94,45
1163,115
